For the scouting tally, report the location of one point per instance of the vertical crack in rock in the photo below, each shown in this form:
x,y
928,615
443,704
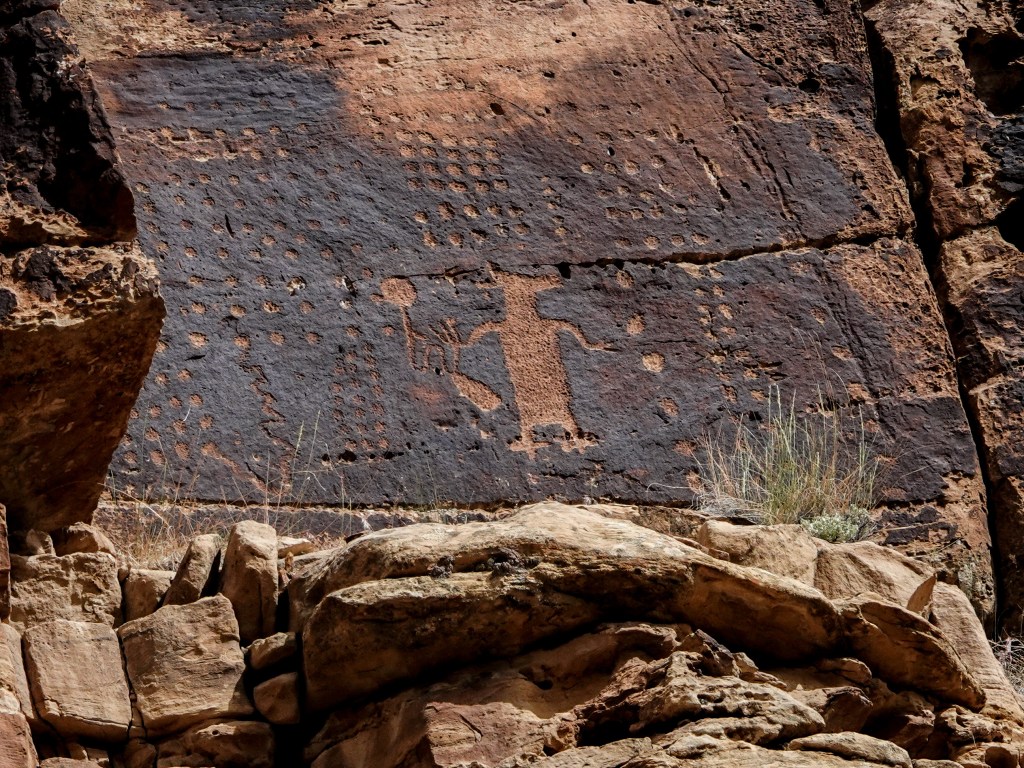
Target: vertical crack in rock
x,y
957,88
888,124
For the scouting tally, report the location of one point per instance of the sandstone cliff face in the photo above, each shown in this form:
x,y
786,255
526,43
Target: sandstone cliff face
x,y
79,308
954,73
497,251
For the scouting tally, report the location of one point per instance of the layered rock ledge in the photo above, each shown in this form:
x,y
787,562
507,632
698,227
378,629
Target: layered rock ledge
x,y
558,636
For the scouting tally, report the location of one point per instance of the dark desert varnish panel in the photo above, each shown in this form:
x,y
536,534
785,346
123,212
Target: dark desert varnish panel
x,y
502,250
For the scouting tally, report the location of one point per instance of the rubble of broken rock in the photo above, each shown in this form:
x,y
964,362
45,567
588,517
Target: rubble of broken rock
x,y
558,636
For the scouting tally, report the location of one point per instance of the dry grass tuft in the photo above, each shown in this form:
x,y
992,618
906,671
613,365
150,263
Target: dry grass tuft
x,y
155,535
1009,652
794,469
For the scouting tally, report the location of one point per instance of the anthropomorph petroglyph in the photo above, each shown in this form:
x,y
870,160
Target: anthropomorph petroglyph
x,y
532,357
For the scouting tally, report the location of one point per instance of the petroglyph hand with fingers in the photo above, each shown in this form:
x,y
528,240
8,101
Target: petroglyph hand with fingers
x,y
402,293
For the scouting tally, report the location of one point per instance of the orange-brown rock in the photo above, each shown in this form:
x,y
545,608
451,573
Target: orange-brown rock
x,y
77,679
79,587
954,76
185,665
143,590
249,578
227,744
79,308
507,585
16,747
198,573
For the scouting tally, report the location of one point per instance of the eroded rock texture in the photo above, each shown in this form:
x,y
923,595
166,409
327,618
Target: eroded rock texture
x,y
558,636
955,74
79,309
491,250
411,680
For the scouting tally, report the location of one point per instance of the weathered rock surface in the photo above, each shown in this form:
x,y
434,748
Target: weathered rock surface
x,y
854,746
249,579
521,328
79,587
16,747
279,700
230,744
81,537
185,665
15,694
955,76
540,574
79,308
272,650
77,679
560,636
198,571
143,591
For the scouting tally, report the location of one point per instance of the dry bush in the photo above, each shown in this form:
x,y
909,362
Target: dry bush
x,y
794,469
1010,653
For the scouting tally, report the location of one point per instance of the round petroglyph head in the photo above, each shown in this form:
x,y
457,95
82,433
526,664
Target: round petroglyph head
x,y
398,290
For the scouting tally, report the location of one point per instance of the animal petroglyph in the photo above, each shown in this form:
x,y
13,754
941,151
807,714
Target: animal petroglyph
x,y
530,344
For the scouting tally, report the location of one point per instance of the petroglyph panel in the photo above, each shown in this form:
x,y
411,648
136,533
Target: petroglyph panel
x,y
482,251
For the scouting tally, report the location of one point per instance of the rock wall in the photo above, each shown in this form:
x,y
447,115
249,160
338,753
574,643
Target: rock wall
x,y
492,251
79,309
954,74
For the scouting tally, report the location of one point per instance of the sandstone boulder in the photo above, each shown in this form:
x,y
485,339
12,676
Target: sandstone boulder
x,y
901,647
278,699
77,679
185,665
268,651
78,587
350,650
786,550
493,713
552,575
854,746
16,747
198,572
230,744
953,615
144,589
82,537
679,689
249,580
13,679
847,570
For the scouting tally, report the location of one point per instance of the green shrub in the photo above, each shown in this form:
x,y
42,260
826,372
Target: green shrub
x,y
794,469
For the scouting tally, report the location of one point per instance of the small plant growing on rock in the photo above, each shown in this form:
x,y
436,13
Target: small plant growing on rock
x,y
794,469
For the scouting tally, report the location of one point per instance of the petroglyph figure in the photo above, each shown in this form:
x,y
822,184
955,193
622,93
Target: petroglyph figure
x,y
402,293
532,357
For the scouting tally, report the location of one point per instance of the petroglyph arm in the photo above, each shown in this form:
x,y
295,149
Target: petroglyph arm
x,y
482,330
562,325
